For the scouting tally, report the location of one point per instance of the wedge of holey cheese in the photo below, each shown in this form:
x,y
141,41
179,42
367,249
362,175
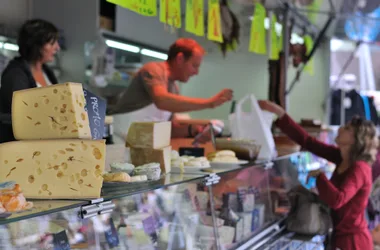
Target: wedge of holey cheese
x,y
149,135
141,156
53,112
54,169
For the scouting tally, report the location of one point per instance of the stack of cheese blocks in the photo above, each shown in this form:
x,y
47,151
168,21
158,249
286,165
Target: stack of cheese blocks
x,y
54,157
150,142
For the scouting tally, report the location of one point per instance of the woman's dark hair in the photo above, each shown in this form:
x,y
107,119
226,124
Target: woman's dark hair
x,y
366,141
32,37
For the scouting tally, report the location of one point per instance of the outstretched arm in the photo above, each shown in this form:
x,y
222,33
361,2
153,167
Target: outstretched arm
x,y
299,135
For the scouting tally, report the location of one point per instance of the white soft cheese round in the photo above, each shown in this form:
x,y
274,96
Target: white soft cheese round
x,y
122,167
151,170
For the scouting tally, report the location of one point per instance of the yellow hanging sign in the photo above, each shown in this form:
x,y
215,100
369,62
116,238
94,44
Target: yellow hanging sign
x,y
309,67
214,23
170,12
274,52
122,3
194,17
313,8
257,41
143,7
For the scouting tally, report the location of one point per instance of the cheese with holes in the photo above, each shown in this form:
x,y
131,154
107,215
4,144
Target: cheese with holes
x,y
149,135
53,112
141,156
56,169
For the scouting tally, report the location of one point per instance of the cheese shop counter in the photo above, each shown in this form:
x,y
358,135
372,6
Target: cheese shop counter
x,y
203,210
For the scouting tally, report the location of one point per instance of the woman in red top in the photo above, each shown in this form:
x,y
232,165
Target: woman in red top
x,y
348,190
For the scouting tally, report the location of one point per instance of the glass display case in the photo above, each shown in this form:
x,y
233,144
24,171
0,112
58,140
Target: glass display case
x,y
234,208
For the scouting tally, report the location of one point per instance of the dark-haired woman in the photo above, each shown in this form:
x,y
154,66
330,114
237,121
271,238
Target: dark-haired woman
x,y
348,190
38,43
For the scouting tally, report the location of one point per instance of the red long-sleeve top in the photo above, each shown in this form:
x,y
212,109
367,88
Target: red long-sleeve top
x,y
346,193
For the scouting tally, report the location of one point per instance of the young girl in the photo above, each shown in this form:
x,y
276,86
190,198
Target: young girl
x,y
348,190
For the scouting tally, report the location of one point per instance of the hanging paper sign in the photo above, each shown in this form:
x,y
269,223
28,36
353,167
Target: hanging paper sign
x,y
214,23
143,7
170,12
122,3
257,41
194,17
313,8
309,46
274,52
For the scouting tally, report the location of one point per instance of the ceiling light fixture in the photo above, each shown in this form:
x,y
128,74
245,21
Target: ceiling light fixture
x,y
154,54
122,46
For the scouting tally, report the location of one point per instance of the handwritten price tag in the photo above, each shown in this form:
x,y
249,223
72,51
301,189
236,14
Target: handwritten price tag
x,y
195,17
142,7
257,42
274,51
170,12
96,110
122,3
214,25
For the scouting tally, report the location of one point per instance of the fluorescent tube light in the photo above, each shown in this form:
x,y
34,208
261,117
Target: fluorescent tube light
x,y
123,46
154,54
1,45
9,46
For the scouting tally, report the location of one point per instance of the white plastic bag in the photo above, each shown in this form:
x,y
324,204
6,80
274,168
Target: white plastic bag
x,y
254,125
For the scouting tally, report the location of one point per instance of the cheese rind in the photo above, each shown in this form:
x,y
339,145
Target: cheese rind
x,y
53,112
54,169
149,135
141,156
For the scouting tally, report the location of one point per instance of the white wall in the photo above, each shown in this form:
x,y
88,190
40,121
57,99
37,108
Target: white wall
x,y
242,71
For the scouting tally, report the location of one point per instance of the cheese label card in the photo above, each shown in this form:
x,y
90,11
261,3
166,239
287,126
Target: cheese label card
x,y
111,235
60,241
96,110
196,152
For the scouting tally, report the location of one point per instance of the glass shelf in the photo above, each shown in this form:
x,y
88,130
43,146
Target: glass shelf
x,y
167,180
43,207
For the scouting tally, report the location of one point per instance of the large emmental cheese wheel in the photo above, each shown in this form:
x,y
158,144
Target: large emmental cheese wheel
x,y
54,169
53,112
141,156
149,135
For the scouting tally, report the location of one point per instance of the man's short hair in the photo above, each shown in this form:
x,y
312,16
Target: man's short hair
x,y
186,46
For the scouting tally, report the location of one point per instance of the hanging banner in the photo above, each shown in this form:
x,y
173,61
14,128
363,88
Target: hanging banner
x,y
309,67
142,7
170,12
313,8
257,41
122,3
194,17
214,23
274,51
